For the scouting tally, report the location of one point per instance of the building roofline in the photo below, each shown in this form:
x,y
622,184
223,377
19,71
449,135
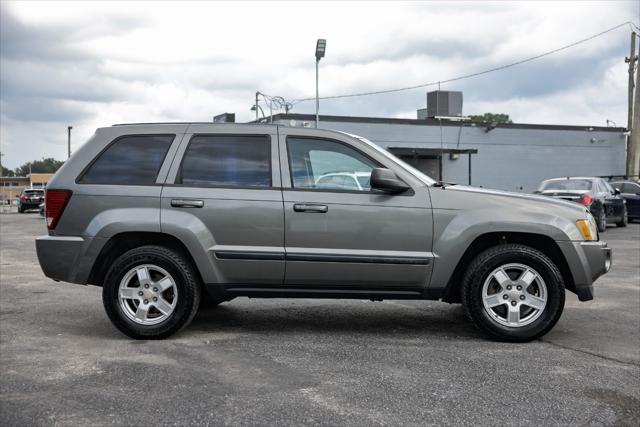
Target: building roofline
x,y
436,122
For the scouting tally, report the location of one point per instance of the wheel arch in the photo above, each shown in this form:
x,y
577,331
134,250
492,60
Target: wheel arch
x,y
123,242
544,244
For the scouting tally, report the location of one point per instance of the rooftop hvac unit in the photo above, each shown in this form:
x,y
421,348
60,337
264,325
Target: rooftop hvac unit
x,y
444,103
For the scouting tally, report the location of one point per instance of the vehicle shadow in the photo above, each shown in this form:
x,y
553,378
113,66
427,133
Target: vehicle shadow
x,y
388,318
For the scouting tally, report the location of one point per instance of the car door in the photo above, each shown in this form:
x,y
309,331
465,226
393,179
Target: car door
x,y
223,200
614,203
631,193
359,238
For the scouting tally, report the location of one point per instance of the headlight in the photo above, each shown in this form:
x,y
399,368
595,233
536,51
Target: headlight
x,y
588,228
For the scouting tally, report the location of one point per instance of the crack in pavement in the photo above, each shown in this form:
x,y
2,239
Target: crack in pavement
x,y
590,353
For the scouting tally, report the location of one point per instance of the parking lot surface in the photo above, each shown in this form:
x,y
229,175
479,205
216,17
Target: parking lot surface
x,y
293,362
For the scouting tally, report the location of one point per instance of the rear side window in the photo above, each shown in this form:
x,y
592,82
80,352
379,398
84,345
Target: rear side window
x,y
227,161
130,160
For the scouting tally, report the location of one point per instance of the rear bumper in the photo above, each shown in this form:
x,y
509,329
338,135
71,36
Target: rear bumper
x,y
30,205
587,262
65,258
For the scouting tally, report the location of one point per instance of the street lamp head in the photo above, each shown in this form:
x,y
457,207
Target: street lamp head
x,y
69,127
321,46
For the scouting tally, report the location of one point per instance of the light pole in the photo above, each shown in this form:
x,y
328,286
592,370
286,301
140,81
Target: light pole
x,y
321,46
69,141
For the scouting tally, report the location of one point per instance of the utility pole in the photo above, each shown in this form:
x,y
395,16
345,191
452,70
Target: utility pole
x,y
631,126
633,155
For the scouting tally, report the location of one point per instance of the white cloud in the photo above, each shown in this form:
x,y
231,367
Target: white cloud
x,y
92,64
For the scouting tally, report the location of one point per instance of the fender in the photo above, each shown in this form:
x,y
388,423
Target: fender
x,y
456,225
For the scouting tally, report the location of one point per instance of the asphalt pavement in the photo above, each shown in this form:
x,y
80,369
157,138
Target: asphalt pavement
x,y
306,361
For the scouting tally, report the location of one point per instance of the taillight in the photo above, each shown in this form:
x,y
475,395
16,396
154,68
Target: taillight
x,y
54,203
586,200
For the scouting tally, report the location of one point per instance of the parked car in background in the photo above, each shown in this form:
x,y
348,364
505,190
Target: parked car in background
x,y
345,181
630,192
162,215
30,199
604,202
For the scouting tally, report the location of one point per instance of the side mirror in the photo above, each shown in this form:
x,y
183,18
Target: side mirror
x,y
385,180
616,191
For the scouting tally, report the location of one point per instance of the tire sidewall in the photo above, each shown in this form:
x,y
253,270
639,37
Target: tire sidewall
x,y
555,294
602,220
184,285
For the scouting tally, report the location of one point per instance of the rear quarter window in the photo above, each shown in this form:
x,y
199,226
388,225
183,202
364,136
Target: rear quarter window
x,y
129,160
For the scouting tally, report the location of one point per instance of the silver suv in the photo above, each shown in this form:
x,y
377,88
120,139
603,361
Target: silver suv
x,y
162,216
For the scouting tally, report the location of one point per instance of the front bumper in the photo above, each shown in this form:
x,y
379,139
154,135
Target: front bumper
x,y
587,261
65,258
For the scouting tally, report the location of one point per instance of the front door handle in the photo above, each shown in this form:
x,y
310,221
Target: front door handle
x,y
187,203
304,207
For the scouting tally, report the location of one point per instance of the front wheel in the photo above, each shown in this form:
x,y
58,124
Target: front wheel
x,y
151,292
513,293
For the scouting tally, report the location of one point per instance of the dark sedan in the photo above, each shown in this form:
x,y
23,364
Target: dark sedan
x,y
604,202
30,198
630,192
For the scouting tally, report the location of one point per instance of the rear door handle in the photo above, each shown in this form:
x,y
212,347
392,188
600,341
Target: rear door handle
x,y
303,207
187,203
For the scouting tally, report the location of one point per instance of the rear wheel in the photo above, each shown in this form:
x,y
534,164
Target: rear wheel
x,y
151,292
625,218
513,293
601,220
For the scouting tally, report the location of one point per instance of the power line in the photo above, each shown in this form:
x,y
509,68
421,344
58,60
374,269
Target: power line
x,y
467,76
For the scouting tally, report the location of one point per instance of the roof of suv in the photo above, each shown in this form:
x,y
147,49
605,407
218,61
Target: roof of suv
x,y
192,123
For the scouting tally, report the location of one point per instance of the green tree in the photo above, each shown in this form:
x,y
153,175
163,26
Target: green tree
x,y
48,165
491,117
6,172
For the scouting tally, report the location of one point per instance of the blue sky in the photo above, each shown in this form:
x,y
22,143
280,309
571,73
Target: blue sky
x,y
92,64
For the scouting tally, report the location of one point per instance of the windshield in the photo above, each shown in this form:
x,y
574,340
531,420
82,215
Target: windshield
x,y
34,192
567,184
415,172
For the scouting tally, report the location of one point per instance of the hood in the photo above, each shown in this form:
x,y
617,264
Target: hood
x,y
534,198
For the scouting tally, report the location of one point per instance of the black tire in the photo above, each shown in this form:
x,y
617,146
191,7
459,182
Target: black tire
x,y
601,220
20,209
480,269
186,280
625,218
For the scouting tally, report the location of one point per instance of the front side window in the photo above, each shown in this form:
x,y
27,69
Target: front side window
x,y
227,160
328,165
630,188
130,160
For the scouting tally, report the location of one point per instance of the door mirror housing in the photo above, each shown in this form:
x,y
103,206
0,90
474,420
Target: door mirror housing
x,y
387,181
616,191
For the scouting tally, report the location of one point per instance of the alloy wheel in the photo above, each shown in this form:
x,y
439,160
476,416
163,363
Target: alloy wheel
x,y
147,294
514,295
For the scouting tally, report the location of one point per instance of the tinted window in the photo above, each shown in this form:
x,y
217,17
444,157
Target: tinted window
x,y
566,184
228,160
130,160
323,164
33,192
630,187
